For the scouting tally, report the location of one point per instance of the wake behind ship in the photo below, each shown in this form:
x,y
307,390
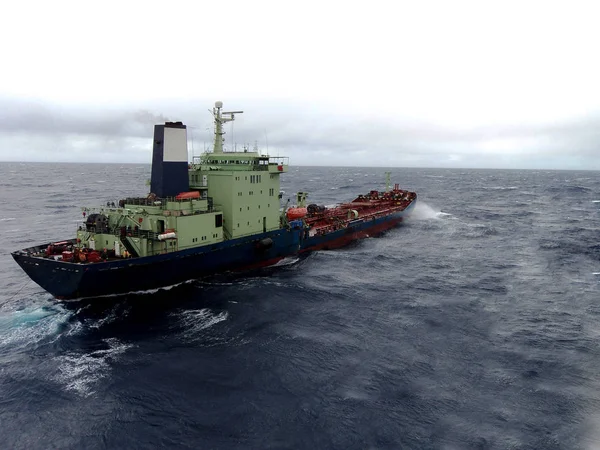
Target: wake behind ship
x,y
221,212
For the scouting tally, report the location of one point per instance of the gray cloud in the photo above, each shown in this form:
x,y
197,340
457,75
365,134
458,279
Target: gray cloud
x,y
18,115
310,135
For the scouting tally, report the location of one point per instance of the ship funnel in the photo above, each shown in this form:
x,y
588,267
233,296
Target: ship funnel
x,y
170,160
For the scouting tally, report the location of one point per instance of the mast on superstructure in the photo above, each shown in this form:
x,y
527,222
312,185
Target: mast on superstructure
x,y
221,117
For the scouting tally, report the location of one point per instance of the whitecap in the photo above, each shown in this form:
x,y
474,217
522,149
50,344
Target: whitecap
x,y
200,319
423,211
500,188
195,321
31,325
287,261
139,292
7,219
79,372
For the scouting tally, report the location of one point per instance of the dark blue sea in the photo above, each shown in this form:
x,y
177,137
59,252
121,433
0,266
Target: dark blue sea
x,y
474,325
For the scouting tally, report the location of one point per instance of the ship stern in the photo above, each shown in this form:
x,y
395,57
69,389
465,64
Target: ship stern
x,y
60,279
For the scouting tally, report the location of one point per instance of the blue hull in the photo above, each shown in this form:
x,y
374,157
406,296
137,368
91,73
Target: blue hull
x,y
69,280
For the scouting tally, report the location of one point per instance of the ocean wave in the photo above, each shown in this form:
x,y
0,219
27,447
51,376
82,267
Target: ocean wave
x,y
33,325
117,312
142,292
423,211
568,189
80,371
499,188
288,261
475,230
194,322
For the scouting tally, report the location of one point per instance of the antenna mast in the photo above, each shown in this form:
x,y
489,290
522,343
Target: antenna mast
x,y
221,117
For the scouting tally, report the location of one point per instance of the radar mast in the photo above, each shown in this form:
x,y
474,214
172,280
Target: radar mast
x,y
221,117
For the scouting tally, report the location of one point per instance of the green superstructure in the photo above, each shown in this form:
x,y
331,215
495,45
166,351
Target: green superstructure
x,y
230,195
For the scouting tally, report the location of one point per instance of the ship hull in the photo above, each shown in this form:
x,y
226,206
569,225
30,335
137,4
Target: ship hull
x,y
358,230
67,281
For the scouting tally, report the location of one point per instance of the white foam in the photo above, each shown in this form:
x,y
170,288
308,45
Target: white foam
x,y
116,313
423,211
78,372
287,261
195,321
595,201
144,291
7,219
31,325
501,188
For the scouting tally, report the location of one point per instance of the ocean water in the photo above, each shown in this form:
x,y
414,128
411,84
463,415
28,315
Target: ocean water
x,y
474,325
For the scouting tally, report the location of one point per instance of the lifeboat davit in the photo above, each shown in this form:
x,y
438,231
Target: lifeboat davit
x,y
296,213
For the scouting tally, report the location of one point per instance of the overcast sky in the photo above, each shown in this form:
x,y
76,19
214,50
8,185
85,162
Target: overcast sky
x,y
382,83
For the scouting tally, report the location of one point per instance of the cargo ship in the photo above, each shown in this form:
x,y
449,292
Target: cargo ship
x,y
220,212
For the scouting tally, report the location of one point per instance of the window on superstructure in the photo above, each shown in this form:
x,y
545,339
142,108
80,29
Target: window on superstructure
x,y
218,221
